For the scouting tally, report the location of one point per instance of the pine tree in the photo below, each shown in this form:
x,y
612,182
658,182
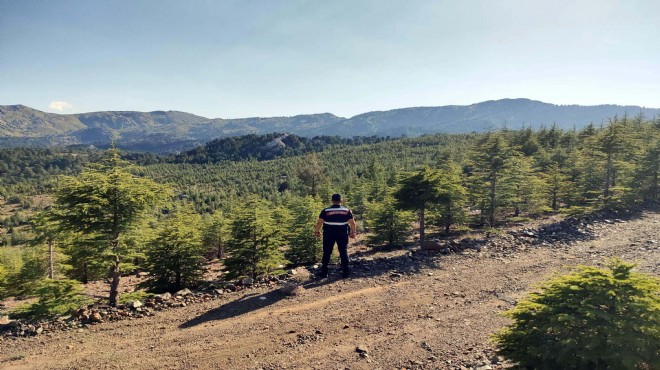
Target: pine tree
x,y
417,192
176,256
524,189
216,234
304,246
612,143
376,179
388,224
453,195
102,205
56,297
589,319
33,270
254,247
312,174
492,159
647,164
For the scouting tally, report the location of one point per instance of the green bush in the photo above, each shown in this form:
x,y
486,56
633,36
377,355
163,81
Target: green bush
x,y
389,226
139,295
175,258
10,265
589,319
56,297
304,246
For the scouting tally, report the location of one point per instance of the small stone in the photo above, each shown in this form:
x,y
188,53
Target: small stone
x,y
135,304
496,360
183,292
248,281
361,349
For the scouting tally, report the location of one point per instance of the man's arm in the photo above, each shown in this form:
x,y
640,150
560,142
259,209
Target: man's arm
x,y
317,227
351,223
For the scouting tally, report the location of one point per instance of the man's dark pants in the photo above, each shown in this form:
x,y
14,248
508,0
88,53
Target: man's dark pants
x,y
330,237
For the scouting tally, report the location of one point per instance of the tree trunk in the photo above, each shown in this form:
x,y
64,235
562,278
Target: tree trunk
x,y
421,225
85,275
449,219
114,286
491,207
654,187
51,260
608,174
221,250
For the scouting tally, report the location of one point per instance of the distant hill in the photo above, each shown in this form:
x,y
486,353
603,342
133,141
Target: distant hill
x,y
265,147
24,122
177,131
485,116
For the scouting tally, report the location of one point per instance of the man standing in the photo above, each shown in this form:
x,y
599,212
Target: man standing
x,y
338,225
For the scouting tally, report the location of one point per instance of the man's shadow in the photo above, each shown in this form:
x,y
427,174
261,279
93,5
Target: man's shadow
x,y
394,267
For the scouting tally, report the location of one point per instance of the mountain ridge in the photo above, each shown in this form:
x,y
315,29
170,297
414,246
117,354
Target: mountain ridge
x,y
20,123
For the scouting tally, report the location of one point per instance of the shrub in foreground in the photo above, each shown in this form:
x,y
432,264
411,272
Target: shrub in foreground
x,y
56,297
589,319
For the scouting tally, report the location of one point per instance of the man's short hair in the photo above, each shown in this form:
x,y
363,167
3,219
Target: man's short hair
x,y
336,197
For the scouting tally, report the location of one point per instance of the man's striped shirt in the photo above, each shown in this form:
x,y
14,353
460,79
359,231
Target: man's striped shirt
x,y
336,216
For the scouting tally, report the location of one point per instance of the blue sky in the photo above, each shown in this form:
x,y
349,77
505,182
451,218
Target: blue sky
x,y
278,58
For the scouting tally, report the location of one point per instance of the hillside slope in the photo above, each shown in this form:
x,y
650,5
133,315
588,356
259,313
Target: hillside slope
x,y
485,116
405,311
180,130
24,122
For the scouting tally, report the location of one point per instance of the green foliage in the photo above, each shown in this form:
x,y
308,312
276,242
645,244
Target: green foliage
x,y
526,192
215,235
24,282
453,195
508,175
418,191
647,173
175,257
265,147
29,171
492,160
56,297
254,247
312,174
139,295
304,246
10,265
388,225
590,319
101,206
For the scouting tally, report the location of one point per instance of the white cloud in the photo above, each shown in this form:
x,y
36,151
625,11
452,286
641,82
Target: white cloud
x,y
60,105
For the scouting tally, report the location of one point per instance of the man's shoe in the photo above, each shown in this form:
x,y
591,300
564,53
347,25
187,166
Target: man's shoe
x,y
324,273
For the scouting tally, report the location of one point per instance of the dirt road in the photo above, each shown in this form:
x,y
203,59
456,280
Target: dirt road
x,y
402,311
